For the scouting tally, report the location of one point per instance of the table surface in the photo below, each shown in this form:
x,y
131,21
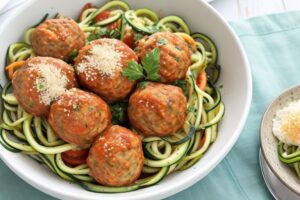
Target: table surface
x,y
242,9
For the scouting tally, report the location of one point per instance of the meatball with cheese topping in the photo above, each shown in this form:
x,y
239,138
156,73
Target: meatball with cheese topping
x,y
40,81
78,117
174,54
99,67
158,109
116,158
57,38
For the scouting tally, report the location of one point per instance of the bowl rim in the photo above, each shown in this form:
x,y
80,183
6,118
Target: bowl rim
x,y
262,124
184,184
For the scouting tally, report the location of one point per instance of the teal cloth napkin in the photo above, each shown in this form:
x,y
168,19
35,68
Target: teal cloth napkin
x,y
272,44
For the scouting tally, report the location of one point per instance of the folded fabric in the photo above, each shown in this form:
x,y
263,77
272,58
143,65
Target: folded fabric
x,y
271,43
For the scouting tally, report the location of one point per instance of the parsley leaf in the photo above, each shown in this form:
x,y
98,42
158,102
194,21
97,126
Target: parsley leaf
x,y
73,55
143,84
40,85
162,41
98,33
133,71
151,65
149,70
119,112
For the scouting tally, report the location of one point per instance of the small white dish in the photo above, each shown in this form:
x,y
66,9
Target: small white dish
x,y
276,187
269,142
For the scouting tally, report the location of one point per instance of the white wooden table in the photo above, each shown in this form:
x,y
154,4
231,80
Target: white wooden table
x,y
242,9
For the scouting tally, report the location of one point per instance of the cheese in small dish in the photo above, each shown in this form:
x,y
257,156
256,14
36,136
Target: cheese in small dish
x,y
286,124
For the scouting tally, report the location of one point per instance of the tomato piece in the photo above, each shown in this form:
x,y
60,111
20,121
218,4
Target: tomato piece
x,y
129,40
85,7
113,26
102,16
201,141
75,157
202,80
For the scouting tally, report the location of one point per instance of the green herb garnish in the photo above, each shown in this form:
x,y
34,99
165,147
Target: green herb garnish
x,y
73,55
149,70
183,85
143,84
134,71
162,41
151,65
77,108
115,34
138,36
98,33
39,85
178,48
118,112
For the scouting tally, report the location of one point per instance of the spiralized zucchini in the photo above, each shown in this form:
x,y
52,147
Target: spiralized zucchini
x,y
23,133
290,155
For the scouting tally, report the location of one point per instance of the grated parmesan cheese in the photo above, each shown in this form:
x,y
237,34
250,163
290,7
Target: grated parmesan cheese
x,y
103,58
51,82
286,124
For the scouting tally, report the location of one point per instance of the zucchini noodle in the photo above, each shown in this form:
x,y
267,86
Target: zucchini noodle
x,y
22,133
290,155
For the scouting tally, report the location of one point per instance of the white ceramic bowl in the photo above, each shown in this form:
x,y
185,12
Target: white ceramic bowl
x,y
236,94
269,142
3,3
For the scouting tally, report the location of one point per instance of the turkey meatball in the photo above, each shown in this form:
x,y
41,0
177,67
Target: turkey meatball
x,y
174,54
78,117
99,67
57,38
116,158
40,81
158,109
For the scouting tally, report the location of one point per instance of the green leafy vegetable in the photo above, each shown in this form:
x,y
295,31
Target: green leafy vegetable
x,y
143,84
148,70
73,55
118,112
115,34
98,33
162,41
134,71
151,65
77,108
138,36
183,85
39,85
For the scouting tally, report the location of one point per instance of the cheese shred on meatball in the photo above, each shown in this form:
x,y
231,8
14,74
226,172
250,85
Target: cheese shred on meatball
x,y
52,82
105,58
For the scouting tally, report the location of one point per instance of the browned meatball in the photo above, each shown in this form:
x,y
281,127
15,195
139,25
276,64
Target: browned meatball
x,y
40,81
158,109
99,67
57,38
78,117
116,158
174,54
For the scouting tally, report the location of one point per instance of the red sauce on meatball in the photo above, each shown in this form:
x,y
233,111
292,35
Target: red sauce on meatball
x,y
78,117
158,109
116,158
174,54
